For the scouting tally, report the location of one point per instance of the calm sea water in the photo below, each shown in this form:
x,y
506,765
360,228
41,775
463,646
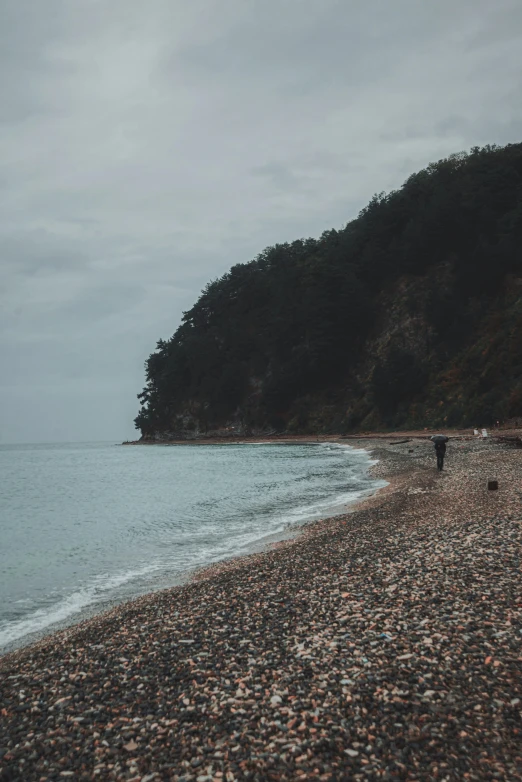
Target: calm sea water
x,y
83,526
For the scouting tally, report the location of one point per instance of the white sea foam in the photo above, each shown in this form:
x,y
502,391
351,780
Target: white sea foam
x,y
43,618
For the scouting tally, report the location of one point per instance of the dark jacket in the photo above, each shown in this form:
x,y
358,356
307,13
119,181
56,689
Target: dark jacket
x,y
440,448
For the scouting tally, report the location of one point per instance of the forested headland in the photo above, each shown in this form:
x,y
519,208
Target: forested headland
x,y
409,316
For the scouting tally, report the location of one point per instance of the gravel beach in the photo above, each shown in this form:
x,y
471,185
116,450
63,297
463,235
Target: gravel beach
x,y
383,644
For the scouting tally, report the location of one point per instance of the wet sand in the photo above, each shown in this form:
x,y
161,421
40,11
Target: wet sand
x,y
382,644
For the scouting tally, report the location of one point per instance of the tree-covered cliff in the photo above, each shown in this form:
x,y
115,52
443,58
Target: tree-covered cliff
x,y
411,315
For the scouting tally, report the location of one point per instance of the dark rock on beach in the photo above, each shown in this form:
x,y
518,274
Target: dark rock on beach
x,y
383,644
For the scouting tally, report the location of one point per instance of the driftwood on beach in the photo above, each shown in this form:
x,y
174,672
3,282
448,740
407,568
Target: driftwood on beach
x,y
382,644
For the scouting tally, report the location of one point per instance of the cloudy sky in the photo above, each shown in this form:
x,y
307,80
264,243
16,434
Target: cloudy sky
x,y
145,147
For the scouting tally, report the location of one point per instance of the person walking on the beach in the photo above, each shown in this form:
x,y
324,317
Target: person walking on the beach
x,y
440,450
440,441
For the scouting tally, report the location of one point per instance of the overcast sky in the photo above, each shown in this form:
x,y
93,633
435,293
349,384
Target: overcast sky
x,y
148,145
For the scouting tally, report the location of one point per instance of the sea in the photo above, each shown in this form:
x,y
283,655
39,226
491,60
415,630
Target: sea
x,y
85,526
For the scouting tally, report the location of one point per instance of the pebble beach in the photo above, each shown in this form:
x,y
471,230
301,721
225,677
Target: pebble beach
x,y
383,644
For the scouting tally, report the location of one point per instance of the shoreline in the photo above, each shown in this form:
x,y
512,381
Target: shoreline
x,y
264,543
501,433
366,644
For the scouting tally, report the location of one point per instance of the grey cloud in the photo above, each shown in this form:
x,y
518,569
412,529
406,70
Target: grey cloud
x,y
25,67
36,251
279,175
100,301
503,25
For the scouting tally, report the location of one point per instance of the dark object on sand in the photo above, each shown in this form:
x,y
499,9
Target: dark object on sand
x,y
400,442
492,485
439,438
